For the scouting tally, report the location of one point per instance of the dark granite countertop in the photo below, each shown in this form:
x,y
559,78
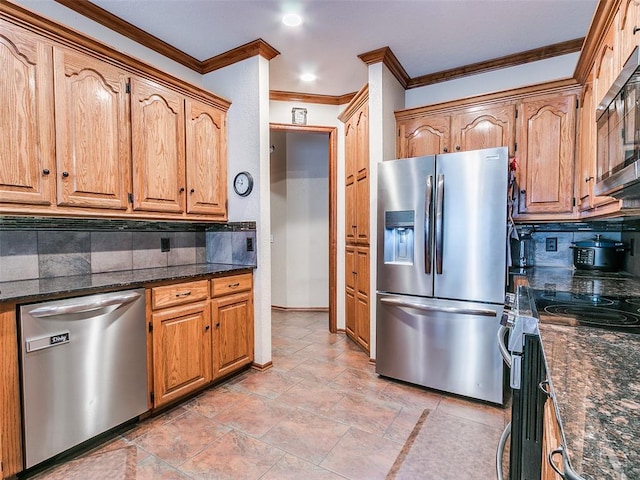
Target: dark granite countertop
x,y
595,379
39,289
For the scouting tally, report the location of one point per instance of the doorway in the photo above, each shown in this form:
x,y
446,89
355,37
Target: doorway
x,y
303,218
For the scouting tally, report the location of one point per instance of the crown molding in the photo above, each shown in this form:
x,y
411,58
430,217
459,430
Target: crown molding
x,y
117,24
279,95
386,56
534,55
356,102
248,50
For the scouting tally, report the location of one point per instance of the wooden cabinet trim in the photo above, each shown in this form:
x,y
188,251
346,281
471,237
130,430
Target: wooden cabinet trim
x,y
356,103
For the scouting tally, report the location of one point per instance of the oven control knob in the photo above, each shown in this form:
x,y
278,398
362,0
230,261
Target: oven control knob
x,y
508,319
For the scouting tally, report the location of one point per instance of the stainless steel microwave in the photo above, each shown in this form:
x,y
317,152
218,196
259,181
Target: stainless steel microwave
x,y
618,140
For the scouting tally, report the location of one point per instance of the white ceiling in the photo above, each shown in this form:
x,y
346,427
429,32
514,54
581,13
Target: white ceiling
x,y
426,36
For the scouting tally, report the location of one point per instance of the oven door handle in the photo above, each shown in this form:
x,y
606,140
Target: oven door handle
x,y
506,356
500,451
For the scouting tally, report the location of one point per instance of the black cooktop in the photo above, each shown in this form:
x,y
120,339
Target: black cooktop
x,y
619,313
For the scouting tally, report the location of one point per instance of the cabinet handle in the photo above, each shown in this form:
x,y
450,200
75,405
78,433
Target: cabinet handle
x,y
46,171
457,147
635,29
181,189
588,179
355,273
183,294
65,174
192,190
234,285
523,191
445,149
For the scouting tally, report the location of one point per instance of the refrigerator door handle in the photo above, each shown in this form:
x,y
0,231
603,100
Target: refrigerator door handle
x,y
428,196
429,308
439,222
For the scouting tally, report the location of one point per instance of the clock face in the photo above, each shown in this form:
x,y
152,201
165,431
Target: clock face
x,y
243,184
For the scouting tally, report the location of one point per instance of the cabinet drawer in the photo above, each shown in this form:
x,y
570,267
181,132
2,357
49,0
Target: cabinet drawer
x,y
177,294
227,285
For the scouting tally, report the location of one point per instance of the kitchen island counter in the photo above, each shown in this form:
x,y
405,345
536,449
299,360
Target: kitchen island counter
x,y
594,378
48,288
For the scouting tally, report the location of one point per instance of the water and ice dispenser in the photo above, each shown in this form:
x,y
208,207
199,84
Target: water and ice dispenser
x,y
399,236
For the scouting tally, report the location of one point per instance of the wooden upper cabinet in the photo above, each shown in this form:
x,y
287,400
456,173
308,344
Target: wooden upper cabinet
x,y
586,146
350,150
423,136
546,157
486,127
362,129
158,132
627,38
206,153
92,132
605,68
26,106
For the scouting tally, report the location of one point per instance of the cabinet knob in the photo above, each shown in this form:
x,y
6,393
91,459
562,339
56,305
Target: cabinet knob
x,y
355,273
635,29
46,171
523,191
458,147
181,189
65,174
445,149
206,329
192,190
588,179
218,325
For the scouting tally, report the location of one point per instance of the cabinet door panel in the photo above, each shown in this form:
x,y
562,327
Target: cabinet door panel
x,y
157,122
485,128
26,105
546,161
362,129
181,350
424,136
626,40
233,333
92,132
350,290
605,66
362,208
206,160
350,151
362,321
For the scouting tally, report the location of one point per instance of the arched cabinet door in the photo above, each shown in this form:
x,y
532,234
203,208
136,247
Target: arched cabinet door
x,y
158,147
428,135
486,127
27,175
92,132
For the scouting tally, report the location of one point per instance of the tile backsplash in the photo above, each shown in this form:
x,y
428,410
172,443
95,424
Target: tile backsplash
x,y
32,249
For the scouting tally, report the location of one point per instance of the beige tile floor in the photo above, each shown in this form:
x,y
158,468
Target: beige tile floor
x,y
320,413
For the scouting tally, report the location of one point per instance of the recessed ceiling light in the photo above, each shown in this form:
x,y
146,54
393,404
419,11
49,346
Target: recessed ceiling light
x,y
307,77
292,20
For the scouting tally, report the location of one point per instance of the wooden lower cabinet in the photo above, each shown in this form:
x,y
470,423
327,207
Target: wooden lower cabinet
x,y
232,311
200,331
551,439
10,421
181,351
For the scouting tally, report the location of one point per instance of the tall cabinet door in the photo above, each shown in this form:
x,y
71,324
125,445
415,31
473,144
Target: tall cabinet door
x,y
488,127
157,123
351,149
206,159
547,137
362,177
26,103
92,132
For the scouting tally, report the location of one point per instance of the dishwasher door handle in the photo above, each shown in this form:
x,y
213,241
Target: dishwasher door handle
x,y
86,306
430,308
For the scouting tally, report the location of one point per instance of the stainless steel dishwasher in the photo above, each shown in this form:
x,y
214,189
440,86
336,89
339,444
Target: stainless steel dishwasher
x,y
84,369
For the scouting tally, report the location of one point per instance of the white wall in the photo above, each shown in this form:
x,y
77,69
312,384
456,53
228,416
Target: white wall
x,y
547,70
301,241
246,84
61,14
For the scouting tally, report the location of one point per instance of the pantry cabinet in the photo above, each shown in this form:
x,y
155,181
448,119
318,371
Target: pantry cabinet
x,y
92,133
547,132
233,337
181,330
27,155
88,131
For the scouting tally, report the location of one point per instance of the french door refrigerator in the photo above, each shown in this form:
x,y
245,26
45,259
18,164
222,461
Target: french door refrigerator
x,y
442,233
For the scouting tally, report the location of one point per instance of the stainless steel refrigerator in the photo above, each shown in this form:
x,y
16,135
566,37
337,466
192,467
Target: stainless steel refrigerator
x,y
442,234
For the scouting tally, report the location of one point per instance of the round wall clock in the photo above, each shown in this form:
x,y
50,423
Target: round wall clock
x,y
243,184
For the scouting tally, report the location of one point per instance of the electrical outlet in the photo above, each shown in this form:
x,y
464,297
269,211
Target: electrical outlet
x,y
249,244
165,244
551,244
